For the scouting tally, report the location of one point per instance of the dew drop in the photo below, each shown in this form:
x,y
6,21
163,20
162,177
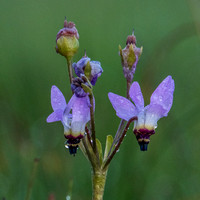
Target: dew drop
x,y
118,150
68,197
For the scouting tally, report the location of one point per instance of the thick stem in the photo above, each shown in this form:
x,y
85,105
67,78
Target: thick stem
x,y
69,65
98,184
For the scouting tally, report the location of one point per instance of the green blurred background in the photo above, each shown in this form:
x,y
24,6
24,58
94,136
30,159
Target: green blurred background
x,y
169,31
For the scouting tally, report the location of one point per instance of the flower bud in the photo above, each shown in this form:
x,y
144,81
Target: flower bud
x,y
77,87
91,69
130,56
67,43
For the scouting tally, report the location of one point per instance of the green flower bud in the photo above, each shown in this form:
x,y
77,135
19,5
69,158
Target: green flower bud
x,y
67,43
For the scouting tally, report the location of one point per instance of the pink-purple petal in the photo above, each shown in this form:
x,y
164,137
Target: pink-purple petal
x,y
80,110
57,99
123,107
136,95
163,95
153,113
55,116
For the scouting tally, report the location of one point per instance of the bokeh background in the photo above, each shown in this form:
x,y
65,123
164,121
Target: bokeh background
x,y
169,31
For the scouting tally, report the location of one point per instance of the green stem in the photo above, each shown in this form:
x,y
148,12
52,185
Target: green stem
x,y
118,144
69,65
92,122
98,183
122,122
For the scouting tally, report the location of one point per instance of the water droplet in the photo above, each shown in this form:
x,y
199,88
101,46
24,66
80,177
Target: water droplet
x,y
160,98
118,150
66,146
68,197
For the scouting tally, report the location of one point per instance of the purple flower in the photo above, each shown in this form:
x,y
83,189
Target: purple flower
x,y
74,122
96,69
160,104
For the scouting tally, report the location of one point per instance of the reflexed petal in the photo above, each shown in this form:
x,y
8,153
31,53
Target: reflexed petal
x,y
55,116
123,107
163,95
153,113
136,95
70,104
57,99
80,110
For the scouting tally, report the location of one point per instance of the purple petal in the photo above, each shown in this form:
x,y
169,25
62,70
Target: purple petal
x,y
79,66
55,116
123,107
153,113
81,110
163,95
57,99
80,115
69,105
136,95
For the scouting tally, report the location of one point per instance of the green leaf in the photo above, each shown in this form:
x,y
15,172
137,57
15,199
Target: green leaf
x,y
99,147
109,141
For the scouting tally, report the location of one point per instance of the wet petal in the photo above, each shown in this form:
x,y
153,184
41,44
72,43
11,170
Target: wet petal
x,y
80,114
153,113
123,107
163,95
57,99
136,95
55,116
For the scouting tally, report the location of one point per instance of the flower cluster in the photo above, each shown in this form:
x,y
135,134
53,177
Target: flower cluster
x,y
75,114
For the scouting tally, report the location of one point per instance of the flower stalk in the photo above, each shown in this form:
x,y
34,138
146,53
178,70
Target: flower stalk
x,y
92,122
69,66
98,184
118,144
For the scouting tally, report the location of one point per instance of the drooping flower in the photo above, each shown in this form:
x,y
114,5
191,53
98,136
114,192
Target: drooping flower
x,y
73,116
67,43
160,104
91,69
129,57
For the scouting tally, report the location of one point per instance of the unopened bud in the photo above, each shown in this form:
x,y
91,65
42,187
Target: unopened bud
x,y
130,56
67,43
